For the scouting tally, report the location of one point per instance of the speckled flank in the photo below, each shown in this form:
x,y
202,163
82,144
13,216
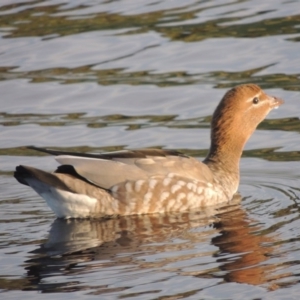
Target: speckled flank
x,y
128,187
176,187
162,194
137,186
152,183
167,181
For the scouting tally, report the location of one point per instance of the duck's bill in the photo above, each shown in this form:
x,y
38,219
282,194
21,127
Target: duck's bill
x,y
276,102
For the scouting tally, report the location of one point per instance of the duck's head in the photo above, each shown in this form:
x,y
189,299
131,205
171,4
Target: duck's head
x,y
236,117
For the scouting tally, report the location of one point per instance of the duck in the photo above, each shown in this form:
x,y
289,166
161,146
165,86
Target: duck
x,y
147,181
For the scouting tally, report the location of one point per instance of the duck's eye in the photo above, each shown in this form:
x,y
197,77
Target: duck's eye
x,y
255,100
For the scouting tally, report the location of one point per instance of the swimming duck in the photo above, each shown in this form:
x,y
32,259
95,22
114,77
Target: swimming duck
x,y
153,180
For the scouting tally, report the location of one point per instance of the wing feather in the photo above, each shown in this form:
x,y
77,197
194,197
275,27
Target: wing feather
x,y
108,169
107,173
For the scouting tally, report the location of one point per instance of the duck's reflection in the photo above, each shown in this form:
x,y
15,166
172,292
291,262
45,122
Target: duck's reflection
x,y
238,248
250,247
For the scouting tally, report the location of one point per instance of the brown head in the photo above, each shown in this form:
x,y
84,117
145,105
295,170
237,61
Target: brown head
x,y
236,117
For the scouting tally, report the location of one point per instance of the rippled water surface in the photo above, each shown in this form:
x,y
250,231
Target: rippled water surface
x,y
97,76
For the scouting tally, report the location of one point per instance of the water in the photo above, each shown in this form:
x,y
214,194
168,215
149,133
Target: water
x,y
107,75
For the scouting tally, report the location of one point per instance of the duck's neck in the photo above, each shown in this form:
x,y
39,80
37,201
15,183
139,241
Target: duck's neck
x,y
224,159
225,156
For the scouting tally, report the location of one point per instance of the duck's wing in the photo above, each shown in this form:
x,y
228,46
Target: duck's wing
x,y
114,155
108,169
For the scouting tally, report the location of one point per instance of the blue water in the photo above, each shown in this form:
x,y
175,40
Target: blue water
x,y
108,75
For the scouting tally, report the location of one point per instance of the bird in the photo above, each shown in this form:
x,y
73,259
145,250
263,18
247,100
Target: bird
x,y
146,181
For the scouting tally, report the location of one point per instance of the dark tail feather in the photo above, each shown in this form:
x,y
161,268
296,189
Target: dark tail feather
x,y
24,174
59,152
21,174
